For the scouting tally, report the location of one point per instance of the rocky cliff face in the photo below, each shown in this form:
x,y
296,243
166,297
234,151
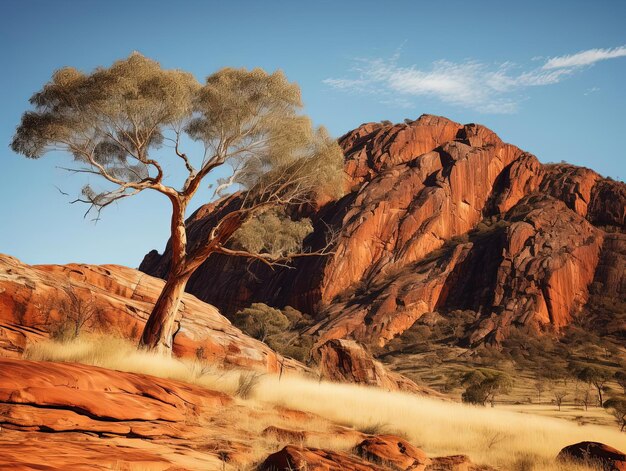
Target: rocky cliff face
x,y
438,216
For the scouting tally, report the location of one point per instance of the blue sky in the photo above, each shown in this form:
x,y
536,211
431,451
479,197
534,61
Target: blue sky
x,y
546,76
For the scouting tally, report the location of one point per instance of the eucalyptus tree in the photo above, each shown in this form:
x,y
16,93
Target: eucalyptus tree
x,y
124,122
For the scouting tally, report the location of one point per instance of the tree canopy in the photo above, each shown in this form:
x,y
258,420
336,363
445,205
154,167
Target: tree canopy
x,y
124,122
115,118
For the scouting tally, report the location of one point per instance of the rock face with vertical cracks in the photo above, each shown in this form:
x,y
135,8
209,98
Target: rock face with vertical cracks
x,y
437,216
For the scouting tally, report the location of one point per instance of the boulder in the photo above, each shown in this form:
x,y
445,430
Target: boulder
x,y
346,361
313,459
456,463
392,451
599,454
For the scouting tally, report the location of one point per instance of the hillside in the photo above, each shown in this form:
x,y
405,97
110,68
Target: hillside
x,y
441,218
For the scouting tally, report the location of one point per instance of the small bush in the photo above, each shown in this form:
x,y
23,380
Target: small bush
x,y
279,329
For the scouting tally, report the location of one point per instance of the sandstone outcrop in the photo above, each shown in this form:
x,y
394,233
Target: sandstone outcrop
x,y
71,416
394,452
594,453
438,216
36,300
293,457
376,453
346,361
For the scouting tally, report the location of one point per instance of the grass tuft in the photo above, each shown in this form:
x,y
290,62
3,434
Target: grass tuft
x,y
119,354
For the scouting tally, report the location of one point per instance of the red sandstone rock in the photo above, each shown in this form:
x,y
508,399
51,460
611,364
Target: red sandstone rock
x,y
411,240
36,299
313,459
346,361
97,394
455,463
608,458
102,415
394,452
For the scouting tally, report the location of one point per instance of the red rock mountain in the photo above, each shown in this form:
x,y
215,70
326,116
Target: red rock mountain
x,y
438,216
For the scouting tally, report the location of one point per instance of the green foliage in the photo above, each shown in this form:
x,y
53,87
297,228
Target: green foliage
x,y
74,109
113,119
272,232
261,321
256,113
279,329
485,385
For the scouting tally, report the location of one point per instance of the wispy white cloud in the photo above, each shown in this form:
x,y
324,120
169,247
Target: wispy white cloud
x,y
584,58
484,87
345,84
591,90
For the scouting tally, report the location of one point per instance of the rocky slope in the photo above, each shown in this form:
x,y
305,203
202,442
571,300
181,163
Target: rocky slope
x,y
438,216
36,301
56,300
60,416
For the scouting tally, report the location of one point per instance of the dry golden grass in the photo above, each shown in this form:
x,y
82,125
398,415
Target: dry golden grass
x,y
506,439
500,438
119,354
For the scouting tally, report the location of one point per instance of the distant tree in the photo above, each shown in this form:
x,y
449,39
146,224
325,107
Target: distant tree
x,y
540,387
585,397
475,394
620,378
485,385
596,376
617,407
558,397
118,123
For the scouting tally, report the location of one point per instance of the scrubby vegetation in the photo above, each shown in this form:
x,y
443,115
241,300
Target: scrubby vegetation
x,y
279,329
485,385
573,373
